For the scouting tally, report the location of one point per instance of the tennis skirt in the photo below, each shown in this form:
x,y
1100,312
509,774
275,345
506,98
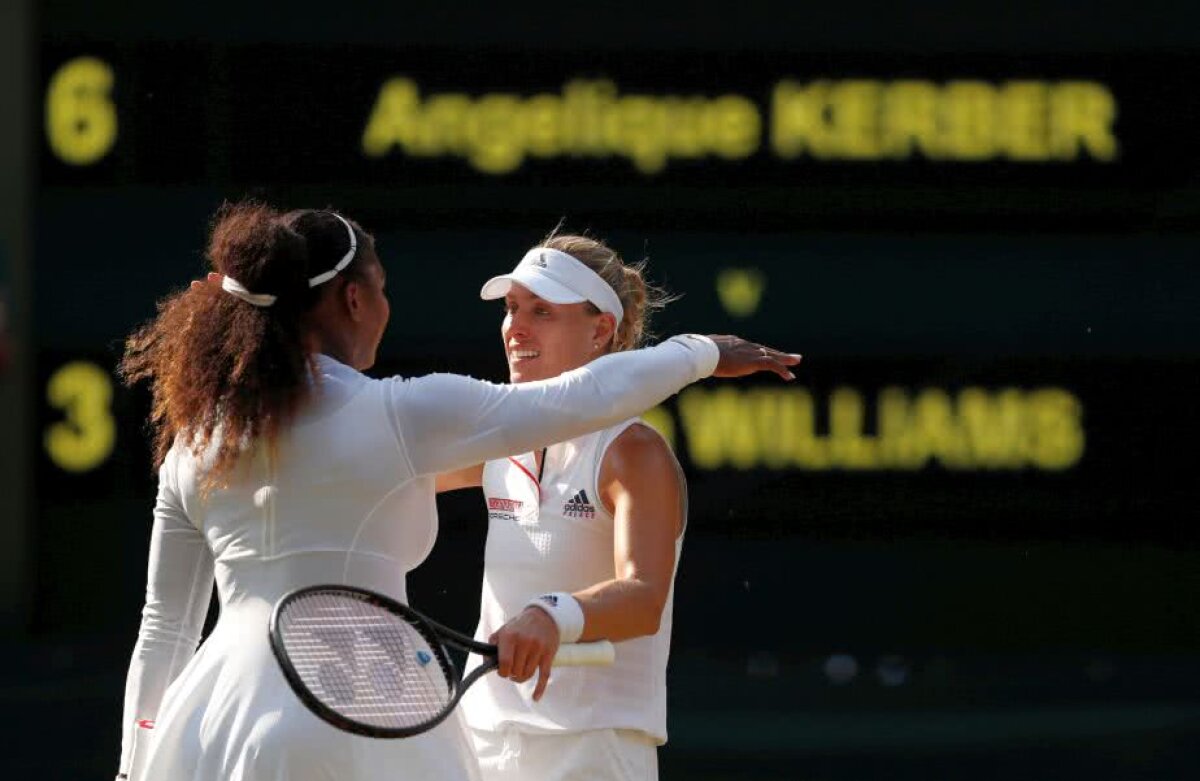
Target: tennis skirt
x,y
593,755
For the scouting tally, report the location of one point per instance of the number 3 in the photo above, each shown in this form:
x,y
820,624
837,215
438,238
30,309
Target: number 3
x,y
83,391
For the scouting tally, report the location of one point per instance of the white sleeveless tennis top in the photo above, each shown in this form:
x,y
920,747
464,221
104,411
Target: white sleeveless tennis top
x,y
558,536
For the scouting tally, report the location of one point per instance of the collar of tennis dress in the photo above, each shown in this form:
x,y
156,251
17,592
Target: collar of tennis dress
x,y
238,290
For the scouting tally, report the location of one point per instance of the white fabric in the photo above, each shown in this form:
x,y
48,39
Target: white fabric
x,y
566,611
559,537
350,499
231,285
559,278
598,755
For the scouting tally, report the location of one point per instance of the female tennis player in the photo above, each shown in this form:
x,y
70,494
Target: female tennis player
x,y
281,465
584,538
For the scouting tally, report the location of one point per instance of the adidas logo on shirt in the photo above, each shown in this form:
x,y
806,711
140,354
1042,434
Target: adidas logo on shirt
x,y
579,506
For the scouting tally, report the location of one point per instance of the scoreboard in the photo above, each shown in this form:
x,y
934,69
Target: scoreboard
x,y
742,140
987,259
979,223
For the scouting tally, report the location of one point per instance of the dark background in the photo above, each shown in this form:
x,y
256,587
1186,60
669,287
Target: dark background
x,y
978,611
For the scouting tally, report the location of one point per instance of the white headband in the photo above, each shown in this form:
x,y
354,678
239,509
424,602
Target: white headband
x,y
231,285
558,278
341,264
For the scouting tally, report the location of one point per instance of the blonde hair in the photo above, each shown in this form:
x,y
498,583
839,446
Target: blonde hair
x,y
638,297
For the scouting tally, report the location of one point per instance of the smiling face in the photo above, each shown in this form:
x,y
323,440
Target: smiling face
x,y
543,340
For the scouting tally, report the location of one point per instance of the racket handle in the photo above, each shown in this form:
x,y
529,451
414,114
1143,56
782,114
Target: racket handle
x,y
596,654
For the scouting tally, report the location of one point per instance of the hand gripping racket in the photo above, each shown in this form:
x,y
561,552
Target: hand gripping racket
x,y
372,666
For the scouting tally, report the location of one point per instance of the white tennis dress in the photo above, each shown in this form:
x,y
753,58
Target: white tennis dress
x,y
556,535
349,499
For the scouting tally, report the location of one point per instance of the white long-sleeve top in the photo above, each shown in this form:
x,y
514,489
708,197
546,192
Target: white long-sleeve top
x,y
350,499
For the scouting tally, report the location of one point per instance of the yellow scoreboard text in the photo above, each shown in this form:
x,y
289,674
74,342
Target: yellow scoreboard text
x,y
894,429
80,116
1025,121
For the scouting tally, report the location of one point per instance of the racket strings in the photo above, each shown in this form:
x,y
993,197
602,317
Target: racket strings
x,y
364,662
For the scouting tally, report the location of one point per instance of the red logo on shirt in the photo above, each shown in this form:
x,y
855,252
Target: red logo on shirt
x,y
145,723
500,509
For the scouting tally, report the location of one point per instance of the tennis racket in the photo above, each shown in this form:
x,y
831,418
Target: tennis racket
x,y
372,666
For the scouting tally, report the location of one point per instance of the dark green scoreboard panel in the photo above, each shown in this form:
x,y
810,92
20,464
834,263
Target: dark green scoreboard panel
x,y
971,519
736,138
988,260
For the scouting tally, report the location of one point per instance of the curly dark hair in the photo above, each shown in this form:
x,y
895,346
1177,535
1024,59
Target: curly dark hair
x,y
215,362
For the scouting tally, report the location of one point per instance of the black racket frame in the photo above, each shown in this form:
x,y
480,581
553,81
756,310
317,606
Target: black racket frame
x,y
438,637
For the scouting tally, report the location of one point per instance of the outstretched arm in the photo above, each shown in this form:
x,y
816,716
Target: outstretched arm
x,y
447,422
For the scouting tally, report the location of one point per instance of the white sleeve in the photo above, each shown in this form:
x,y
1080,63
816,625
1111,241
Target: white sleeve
x,y
179,585
447,421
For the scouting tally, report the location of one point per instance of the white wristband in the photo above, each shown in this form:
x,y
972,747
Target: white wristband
x,y
564,609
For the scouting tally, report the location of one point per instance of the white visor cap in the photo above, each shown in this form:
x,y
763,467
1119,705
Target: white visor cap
x,y
558,278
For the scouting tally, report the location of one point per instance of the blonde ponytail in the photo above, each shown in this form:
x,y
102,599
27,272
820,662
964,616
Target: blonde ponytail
x,y
639,298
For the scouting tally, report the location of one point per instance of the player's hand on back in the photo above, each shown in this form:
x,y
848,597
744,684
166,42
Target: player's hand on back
x,y
740,358
527,645
213,279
